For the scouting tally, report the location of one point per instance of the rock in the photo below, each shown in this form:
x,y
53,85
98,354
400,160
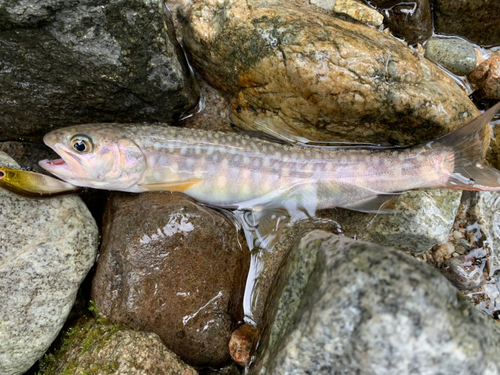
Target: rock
x,y
351,307
93,347
47,246
484,219
456,55
464,271
243,342
175,268
411,21
28,154
472,19
423,218
358,11
324,4
487,77
304,74
265,263
65,63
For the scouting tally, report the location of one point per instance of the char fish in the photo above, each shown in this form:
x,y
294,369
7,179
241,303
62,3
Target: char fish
x,y
241,172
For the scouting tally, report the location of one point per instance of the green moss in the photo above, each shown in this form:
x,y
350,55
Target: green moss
x,y
89,335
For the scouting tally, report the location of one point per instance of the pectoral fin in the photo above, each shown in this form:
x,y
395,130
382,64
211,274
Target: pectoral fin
x,y
171,186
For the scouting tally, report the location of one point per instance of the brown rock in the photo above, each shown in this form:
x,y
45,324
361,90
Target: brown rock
x,y
95,348
293,72
487,77
242,343
464,271
411,21
173,267
475,20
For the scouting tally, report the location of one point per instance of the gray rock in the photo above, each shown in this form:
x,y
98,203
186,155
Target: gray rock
x,y
475,20
422,219
47,246
95,347
456,55
351,307
67,62
484,219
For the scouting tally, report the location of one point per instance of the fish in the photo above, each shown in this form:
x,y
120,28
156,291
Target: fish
x,y
33,184
237,171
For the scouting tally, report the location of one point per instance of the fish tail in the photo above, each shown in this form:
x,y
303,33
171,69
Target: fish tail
x,y
471,170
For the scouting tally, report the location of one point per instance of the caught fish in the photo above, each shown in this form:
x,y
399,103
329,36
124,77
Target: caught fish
x,y
241,172
33,184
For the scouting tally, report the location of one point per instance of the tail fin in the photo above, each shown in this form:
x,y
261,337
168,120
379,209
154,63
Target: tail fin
x,y
471,171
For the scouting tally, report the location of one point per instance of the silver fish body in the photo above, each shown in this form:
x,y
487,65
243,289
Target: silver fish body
x,y
238,171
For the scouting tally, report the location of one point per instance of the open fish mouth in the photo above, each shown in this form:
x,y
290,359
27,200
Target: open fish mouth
x,y
53,165
59,167
56,162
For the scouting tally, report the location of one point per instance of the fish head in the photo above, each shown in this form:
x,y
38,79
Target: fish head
x,y
101,156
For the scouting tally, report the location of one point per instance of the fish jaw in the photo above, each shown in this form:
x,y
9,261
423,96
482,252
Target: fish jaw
x,y
68,168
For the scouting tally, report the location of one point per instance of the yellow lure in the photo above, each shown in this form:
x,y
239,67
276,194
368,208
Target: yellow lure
x,y
33,184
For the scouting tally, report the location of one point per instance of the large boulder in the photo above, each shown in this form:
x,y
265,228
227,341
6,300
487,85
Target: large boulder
x,y
295,73
350,307
175,268
47,248
67,62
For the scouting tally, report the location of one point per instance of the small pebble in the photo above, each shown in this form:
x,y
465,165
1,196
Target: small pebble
x,y
463,271
456,55
242,343
487,78
457,235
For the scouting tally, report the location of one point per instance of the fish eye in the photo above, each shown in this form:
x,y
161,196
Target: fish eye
x,y
81,144
2,174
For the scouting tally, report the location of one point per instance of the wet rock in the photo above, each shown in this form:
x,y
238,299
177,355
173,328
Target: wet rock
x,y
358,11
423,218
243,342
464,271
47,246
303,74
64,63
487,77
473,19
265,263
93,347
456,55
411,21
175,268
484,216
345,306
